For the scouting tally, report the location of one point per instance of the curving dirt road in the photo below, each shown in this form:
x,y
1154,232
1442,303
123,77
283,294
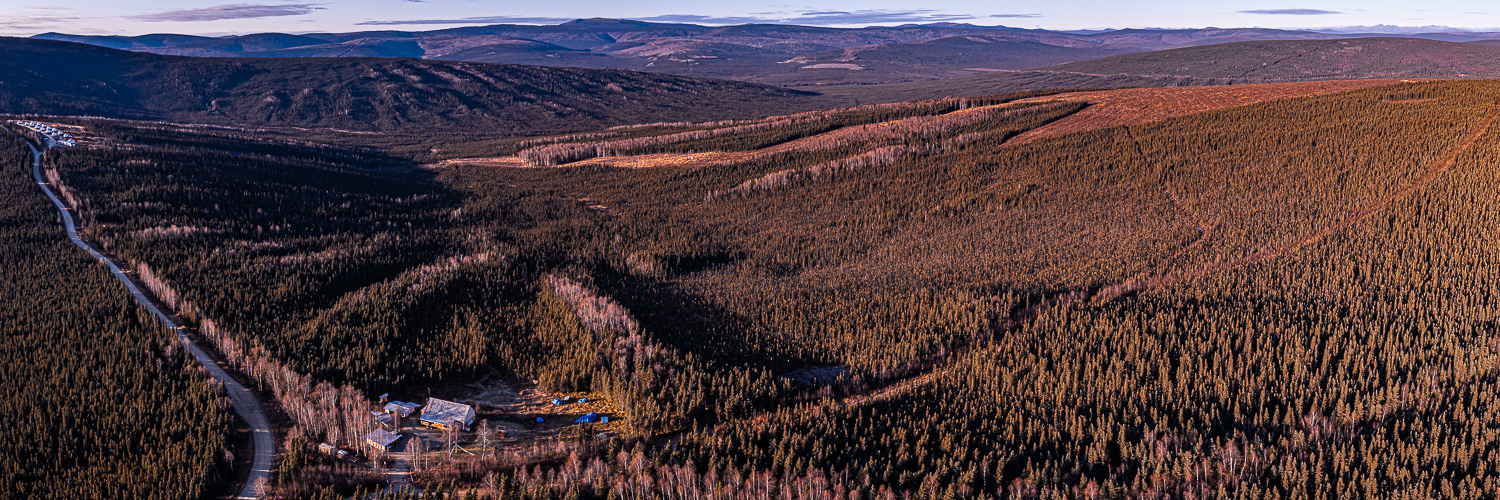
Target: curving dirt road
x,y
245,402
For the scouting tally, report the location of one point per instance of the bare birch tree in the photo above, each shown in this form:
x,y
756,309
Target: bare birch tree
x,y
415,450
485,434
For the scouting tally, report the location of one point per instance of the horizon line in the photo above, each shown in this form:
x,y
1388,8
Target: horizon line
x,y
1414,30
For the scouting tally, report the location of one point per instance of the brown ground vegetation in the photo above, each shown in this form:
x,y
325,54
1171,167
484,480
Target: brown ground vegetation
x,y
1339,343
1111,108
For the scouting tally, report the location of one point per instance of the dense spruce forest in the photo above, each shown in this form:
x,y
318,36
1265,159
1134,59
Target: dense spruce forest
x,y
352,98
1234,63
1303,60
1290,299
100,400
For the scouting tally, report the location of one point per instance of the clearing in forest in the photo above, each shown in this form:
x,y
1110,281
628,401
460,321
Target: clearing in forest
x,y
909,126
1110,108
1107,108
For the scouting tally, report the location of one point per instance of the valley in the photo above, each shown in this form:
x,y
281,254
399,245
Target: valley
x,y
626,259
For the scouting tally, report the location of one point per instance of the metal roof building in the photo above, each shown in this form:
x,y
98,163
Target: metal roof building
x,y
382,418
402,409
440,413
382,439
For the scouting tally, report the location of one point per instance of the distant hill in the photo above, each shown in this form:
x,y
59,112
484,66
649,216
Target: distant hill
x,y
363,94
128,42
1220,64
998,82
765,53
930,59
381,47
1300,60
248,44
478,48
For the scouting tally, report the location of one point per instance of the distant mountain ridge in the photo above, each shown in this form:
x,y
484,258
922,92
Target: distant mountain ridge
x,y
430,89
768,53
363,94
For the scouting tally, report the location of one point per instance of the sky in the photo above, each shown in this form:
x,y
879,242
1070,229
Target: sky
x,y
215,18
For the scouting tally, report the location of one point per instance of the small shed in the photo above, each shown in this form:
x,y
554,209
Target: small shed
x,y
327,449
441,413
381,439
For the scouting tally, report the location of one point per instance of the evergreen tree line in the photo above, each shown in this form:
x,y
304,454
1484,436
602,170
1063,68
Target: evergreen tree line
x,y
99,400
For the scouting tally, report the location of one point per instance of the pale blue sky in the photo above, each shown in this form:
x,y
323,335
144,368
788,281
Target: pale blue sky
x,y
132,17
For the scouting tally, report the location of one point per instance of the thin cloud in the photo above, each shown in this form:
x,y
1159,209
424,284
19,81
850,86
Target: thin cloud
x,y
230,11
472,20
1291,12
22,22
1022,16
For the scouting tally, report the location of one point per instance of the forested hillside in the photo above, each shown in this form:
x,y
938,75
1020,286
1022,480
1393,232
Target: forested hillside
x,y
363,95
305,232
1198,307
1219,64
1286,299
1302,60
99,400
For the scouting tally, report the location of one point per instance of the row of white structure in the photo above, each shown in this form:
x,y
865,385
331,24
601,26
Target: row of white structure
x,y
52,133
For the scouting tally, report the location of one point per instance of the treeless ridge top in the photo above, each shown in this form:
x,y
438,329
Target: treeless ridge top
x,y
1110,108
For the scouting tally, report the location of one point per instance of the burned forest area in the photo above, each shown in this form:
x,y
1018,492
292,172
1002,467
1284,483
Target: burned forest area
x,y
1275,289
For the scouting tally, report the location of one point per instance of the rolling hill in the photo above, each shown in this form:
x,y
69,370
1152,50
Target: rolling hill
x,y
129,42
363,94
248,44
1301,60
765,53
1219,64
932,59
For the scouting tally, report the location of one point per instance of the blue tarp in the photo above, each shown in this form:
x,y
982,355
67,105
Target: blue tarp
x,y
591,417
